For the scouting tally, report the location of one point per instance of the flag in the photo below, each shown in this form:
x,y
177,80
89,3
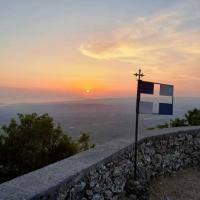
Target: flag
x,y
146,107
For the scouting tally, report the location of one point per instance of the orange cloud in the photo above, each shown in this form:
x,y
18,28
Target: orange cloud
x,y
162,41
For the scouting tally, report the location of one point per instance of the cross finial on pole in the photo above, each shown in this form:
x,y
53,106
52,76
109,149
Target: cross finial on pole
x,y
139,75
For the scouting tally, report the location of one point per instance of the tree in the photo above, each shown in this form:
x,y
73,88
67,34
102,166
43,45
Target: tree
x,y
84,142
193,117
33,141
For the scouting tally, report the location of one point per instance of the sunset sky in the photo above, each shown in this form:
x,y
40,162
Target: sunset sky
x,y
56,50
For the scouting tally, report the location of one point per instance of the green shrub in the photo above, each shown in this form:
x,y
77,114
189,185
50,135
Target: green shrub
x,y
83,142
161,126
193,117
177,122
33,141
150,128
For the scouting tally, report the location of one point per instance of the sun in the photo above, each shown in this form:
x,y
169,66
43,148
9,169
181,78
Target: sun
x,y
87,91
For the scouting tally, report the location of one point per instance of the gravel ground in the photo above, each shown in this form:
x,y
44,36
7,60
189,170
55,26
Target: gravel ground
x,y
183,185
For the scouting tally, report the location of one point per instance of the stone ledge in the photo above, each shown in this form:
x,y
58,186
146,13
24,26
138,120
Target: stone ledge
x,y
48,179
51,176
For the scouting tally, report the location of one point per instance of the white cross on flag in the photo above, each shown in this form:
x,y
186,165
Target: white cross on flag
x,y
146,107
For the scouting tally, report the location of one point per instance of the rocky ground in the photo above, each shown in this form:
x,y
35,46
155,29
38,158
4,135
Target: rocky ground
x,y
183,185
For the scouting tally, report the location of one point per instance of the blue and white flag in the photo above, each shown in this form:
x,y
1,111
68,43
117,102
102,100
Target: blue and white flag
x,y
146,107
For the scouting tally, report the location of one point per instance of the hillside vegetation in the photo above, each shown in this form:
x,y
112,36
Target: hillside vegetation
x,y
191,118
32,141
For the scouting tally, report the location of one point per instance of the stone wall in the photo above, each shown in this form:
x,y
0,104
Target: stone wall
x,y
161,155
103,172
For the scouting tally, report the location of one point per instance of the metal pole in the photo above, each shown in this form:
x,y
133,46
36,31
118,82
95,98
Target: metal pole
x,y
136,128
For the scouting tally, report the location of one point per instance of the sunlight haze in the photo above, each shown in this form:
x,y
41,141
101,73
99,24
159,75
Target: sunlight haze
x,y
59,50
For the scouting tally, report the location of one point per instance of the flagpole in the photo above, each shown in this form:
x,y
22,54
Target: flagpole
x,y
167,109
137,121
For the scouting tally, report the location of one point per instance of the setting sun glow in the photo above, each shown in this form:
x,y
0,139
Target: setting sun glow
x,y
76,52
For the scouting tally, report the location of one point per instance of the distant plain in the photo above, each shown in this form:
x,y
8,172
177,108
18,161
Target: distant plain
x,y
103,119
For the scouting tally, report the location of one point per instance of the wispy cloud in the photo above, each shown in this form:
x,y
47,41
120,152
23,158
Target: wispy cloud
x,y
169,38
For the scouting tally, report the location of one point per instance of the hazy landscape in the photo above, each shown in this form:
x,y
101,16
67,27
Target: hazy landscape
x,y
103,119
